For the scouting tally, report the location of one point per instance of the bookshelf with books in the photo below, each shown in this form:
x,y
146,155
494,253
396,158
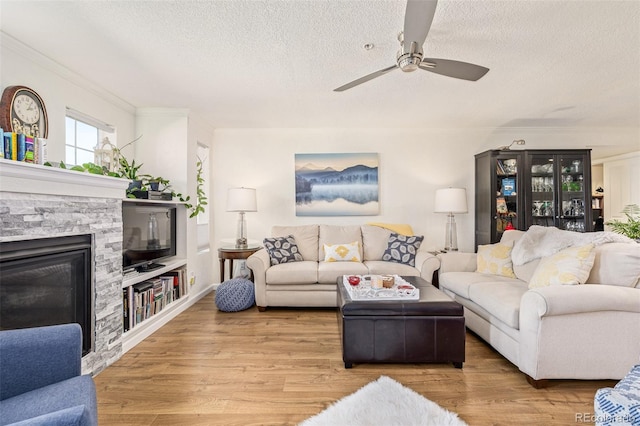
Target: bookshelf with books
x,y
498,199
151,299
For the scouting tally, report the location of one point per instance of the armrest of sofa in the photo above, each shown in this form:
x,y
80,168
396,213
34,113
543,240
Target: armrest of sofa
x,y
457,262
575,299
427,264
574,331
36,357
259,262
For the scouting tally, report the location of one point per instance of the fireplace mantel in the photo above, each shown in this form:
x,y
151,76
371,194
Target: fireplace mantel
x,y
36,179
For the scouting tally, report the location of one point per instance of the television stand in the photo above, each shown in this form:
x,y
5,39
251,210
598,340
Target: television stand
x,y
149,267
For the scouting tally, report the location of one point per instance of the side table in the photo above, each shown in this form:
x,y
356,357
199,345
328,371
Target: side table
x,y
233,253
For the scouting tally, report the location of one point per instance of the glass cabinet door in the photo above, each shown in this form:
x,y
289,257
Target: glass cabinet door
x,y
573,209
506,200
543,191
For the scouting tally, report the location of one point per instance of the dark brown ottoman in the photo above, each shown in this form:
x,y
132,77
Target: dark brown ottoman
x,y
414,331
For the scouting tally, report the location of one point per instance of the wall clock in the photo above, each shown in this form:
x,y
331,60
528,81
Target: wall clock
x,y
22,110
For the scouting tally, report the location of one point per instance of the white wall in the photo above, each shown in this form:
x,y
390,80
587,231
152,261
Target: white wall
x,y
61,88
621,184
413,164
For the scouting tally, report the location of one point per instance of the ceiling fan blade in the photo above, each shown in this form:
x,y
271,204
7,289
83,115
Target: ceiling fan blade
x,y
455,69
417,22
365,78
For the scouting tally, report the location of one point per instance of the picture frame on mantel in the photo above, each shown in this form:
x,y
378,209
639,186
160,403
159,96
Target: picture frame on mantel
x,y
337,184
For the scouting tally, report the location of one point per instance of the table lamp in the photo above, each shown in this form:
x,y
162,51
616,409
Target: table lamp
x,y
241,200
450,201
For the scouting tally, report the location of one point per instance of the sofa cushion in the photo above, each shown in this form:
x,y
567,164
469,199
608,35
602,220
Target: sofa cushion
x,y
328,272
374,241
567,267
306,238
501,299
342,252
460,282
495,259
380,267
282,250
304,272
402,249
616,264
334,234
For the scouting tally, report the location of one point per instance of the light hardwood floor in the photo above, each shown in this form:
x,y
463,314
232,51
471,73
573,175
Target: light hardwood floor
x,y
284,365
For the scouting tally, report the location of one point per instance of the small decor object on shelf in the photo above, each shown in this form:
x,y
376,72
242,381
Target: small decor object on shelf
x,y
107,155
23,111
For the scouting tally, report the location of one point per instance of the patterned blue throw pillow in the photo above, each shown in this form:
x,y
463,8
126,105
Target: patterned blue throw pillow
x,y
402,249
235,295
282,250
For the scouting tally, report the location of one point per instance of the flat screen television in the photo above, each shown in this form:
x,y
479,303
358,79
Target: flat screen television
x,y
149,234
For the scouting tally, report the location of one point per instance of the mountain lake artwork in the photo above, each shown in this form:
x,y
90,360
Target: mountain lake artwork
x,y
337,184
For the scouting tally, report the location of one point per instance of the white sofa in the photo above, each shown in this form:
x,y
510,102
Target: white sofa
x,y
589,331
312,281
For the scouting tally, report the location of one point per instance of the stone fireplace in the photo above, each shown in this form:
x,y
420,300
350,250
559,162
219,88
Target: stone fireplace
x,y
38,202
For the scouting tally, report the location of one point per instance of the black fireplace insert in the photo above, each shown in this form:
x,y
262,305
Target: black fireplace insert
x,y
47,281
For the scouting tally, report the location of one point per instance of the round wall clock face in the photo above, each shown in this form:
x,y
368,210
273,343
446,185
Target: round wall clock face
x,y
22,111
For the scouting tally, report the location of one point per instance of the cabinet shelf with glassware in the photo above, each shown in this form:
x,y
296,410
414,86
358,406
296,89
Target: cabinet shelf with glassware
x,y
517,189
559,193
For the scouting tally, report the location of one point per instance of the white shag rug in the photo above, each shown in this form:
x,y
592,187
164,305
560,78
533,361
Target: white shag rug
x,y
384,402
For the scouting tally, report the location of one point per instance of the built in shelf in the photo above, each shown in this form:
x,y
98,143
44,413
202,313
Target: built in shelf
x,y
137,277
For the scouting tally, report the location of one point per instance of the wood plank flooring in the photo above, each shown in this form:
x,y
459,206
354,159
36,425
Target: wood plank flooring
x,y
284,365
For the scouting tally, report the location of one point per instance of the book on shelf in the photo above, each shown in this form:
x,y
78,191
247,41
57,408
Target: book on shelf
x,y
508,186
147,298
500,168
501,206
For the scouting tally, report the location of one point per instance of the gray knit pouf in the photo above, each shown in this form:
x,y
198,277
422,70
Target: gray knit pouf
x,y
235,295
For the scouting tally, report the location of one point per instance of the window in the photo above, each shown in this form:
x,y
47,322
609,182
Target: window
x,y
83,135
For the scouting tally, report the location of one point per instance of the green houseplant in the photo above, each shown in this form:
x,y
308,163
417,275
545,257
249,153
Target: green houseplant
x,y
631,227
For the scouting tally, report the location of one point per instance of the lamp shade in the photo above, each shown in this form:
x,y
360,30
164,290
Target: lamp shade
x,y
451,200
241,200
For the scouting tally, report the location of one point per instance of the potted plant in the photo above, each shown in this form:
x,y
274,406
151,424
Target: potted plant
x,y
130,171
631,227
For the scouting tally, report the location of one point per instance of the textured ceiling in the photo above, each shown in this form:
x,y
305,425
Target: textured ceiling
x,y
275,63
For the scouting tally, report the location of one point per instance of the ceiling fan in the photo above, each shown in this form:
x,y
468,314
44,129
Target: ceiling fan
x,y
417,22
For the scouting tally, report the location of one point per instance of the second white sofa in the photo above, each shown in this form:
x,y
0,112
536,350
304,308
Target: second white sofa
x,y
311,281
589,331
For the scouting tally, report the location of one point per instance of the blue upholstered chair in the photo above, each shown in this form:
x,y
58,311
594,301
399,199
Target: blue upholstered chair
x,y
40,378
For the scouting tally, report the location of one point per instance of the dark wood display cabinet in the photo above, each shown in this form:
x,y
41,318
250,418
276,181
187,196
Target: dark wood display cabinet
x,y
517,189
499,200
560,189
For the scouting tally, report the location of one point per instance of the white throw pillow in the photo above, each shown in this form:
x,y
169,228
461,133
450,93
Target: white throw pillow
x,y
495,259
342,252
567,267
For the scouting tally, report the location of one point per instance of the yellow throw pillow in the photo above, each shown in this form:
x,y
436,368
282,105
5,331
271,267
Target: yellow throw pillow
x,y
567,267
495,259
342,252
398,228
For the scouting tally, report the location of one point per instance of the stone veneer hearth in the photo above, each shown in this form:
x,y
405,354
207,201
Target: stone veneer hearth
x,y
28,213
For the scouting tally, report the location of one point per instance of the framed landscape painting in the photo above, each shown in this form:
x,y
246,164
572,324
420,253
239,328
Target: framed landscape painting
x,y
337,184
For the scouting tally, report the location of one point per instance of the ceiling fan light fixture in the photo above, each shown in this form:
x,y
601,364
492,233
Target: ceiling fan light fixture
x,y
409,62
